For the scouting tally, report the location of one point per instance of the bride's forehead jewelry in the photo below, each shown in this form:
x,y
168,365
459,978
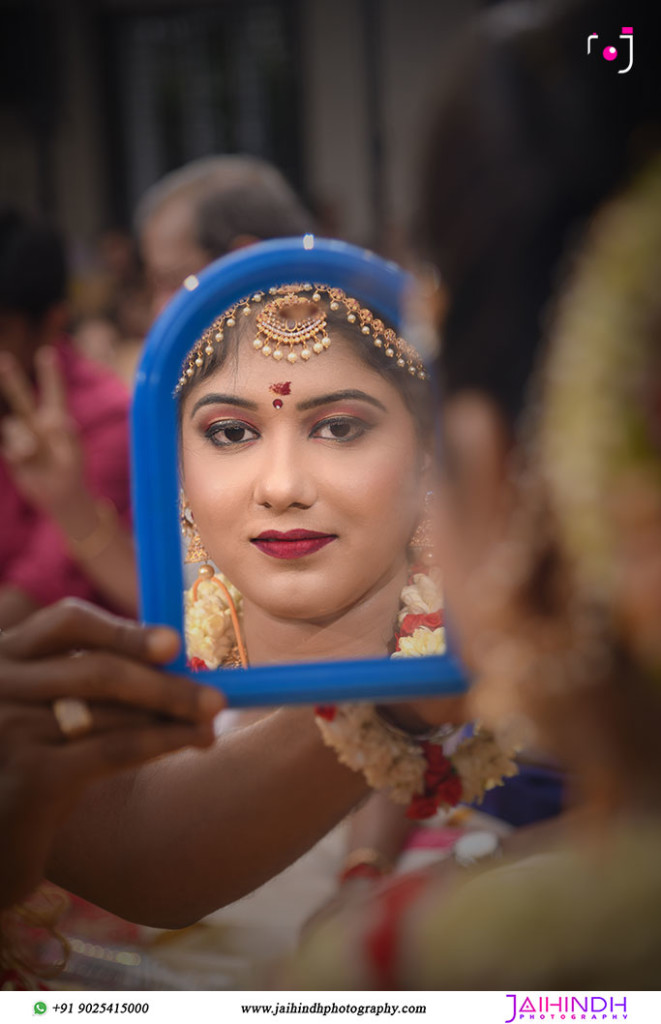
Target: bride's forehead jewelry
x,y
290,321
291,324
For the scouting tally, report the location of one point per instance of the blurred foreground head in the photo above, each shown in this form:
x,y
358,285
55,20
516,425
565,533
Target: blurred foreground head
x,y
208,208
531,137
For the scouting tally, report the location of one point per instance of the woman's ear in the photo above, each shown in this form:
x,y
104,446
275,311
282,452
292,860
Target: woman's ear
x,y
477,468
428,470
474,510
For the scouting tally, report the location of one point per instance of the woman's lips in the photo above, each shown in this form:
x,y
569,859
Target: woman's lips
x,y
293,544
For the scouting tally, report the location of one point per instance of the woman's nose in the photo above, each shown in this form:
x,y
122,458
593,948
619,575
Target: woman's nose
x,y
284,479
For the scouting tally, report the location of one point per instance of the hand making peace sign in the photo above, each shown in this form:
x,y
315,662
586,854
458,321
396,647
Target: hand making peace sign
x,y
42,447
39,440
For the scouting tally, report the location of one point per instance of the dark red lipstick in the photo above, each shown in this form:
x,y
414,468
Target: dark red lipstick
x,y
293,543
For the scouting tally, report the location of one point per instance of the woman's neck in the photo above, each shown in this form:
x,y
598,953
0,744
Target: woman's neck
x,y
364,630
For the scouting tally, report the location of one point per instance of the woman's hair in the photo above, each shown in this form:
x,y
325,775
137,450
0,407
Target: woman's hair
x,y
416,394
529,137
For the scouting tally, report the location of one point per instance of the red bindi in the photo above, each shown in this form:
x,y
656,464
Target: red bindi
x,y
281,389
277,403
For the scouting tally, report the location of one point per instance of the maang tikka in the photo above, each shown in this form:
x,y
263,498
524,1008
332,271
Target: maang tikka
x,y
291,320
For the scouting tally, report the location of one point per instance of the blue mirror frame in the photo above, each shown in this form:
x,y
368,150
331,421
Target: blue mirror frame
x,y
379,285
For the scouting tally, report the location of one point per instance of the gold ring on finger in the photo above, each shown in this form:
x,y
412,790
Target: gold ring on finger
x,y
73,717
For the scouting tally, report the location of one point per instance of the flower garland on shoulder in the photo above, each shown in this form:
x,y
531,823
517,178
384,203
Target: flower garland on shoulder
x,y
413,771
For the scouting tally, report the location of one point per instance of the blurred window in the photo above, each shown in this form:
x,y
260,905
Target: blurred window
x,y
196,81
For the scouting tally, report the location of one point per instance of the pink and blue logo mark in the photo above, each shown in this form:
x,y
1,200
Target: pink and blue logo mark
x,y
566,1007
610,53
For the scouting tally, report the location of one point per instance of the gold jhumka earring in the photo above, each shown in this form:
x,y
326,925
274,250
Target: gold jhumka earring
x,y
423,538
197,553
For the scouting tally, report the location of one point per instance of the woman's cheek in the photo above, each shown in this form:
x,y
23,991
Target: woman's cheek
x,y
392,469
396,491
213,496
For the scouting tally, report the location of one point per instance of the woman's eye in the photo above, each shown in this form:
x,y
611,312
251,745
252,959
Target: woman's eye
x,y
342,428
228,433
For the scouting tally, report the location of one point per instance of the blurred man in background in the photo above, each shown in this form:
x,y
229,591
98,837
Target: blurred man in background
x,y
208,208
192,216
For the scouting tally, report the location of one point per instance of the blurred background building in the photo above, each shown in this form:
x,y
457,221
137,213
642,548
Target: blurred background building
x,y
99,98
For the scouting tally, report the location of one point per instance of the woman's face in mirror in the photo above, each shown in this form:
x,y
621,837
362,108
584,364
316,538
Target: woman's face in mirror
x,y
306,482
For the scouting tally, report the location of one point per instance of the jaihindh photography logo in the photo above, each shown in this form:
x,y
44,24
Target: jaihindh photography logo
x,y
555,1007
622,53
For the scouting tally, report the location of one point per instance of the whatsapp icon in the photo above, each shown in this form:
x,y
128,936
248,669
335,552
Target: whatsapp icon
x,y
40,1008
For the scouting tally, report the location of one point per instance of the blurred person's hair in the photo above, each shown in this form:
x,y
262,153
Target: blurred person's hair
x,y
231,197
33,266
530,136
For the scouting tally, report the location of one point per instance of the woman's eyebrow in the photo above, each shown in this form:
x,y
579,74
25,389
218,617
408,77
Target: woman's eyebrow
x,y
340,396
216,399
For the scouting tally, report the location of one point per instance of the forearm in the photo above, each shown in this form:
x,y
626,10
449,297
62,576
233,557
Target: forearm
x,y
196,831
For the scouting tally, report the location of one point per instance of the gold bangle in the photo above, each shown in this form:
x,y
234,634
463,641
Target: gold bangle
x,y
367,855
101,536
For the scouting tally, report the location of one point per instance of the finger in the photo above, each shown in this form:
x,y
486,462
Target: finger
x,y
20,721
19,442
114,751
16,388
72,624
114,717
104,677
52,391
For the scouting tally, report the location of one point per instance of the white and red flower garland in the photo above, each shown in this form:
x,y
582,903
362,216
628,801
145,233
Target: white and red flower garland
x,y
413,772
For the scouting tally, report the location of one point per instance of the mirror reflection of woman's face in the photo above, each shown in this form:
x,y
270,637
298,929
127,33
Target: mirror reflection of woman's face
x,y
306,500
